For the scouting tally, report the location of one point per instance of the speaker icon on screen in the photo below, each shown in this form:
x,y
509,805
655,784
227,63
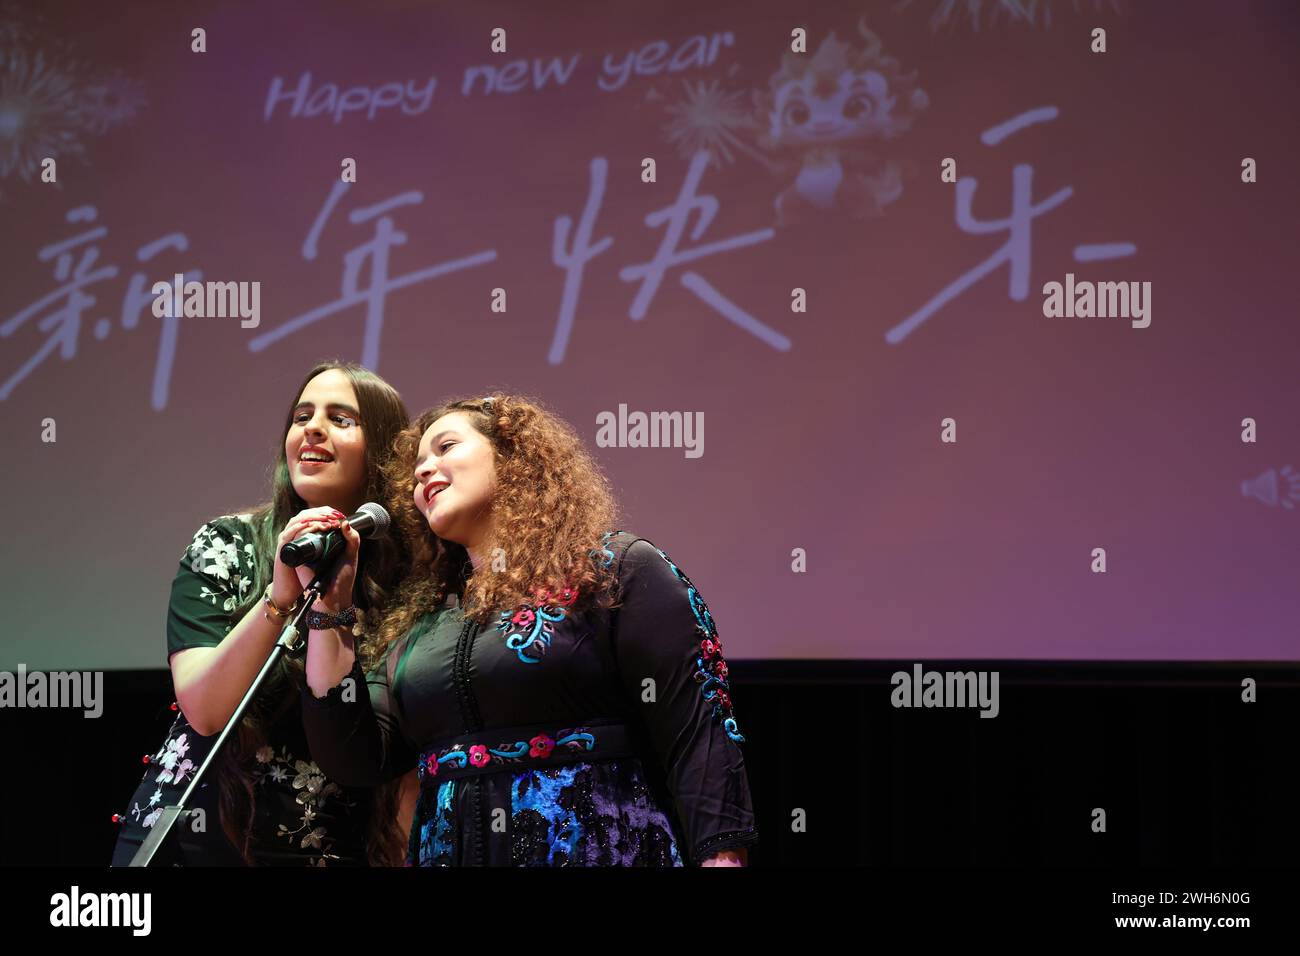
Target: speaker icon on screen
x,y
1274,487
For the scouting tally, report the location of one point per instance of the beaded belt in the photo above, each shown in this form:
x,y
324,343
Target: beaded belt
x,y
522,748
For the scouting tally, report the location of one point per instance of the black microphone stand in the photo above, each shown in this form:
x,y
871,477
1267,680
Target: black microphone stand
x,y
290,639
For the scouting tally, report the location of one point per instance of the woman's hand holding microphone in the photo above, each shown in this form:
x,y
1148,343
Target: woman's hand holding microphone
x,y
210,681
330,654
288,583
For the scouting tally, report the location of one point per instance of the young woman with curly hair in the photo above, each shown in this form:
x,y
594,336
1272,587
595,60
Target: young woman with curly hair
x,y
559,686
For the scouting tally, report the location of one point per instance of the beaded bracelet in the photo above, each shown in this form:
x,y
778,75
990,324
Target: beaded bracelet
x,y
323,620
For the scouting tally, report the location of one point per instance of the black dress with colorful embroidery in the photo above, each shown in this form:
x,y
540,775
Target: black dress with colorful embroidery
x,y
301,817
546,738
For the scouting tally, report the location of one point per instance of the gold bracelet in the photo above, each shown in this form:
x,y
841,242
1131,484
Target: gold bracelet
x,y
280,615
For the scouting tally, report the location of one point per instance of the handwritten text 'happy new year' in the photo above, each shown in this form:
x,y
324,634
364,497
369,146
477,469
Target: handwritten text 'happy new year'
x,y
513,76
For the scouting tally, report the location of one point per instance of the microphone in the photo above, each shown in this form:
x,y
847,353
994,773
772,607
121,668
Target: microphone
x,y
370,521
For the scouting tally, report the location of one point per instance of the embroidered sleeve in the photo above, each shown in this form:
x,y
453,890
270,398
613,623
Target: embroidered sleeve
x,y
214,579
671,665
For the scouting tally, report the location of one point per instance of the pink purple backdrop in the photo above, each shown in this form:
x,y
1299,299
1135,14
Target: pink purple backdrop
x,y
822,428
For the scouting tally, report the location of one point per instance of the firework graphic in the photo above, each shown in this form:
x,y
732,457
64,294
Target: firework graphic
x,y
111,101
39,115
948,13
49,100
707,118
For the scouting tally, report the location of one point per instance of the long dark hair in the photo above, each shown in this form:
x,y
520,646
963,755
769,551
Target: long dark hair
x,y
380,567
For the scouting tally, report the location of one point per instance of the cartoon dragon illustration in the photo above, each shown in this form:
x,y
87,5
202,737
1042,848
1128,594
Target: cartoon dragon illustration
x,y
824,113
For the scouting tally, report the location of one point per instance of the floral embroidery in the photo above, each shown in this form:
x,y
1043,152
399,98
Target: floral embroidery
x,y
228,562
480,755
225,558
171,759
711,668
529,627
604,552
314,790
581,814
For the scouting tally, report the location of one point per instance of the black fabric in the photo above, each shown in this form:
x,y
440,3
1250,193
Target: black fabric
x,y
538,665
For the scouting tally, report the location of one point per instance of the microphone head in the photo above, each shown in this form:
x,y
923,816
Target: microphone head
x,y
379,515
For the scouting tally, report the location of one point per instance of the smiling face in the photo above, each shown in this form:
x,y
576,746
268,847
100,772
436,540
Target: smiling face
x,y
855,106
326,446
455,467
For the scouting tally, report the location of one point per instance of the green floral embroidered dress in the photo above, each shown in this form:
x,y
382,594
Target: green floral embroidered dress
x,y
302,817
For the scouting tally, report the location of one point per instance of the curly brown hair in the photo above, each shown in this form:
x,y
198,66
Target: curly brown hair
x,y
551,503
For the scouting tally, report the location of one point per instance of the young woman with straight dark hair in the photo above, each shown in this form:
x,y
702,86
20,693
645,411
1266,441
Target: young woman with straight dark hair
x,y
266,802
